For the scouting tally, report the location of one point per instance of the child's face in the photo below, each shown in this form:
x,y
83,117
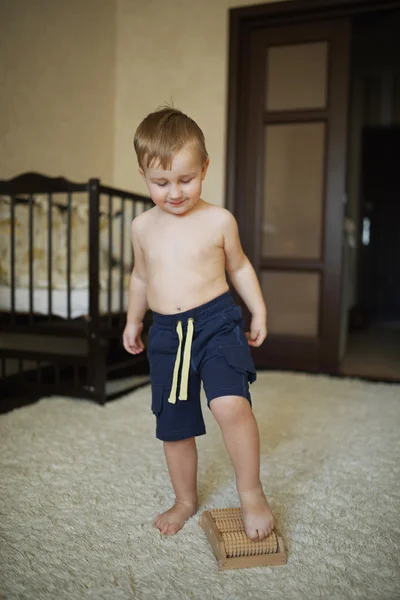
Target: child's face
x,y
177,191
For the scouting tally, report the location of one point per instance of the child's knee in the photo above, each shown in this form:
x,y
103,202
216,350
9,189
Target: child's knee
x,y
230,409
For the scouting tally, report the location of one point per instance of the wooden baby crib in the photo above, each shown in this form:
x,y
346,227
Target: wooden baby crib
x,y
65,263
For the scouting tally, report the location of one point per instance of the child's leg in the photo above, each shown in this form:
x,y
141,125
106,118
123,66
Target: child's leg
x,y
240,432
182,466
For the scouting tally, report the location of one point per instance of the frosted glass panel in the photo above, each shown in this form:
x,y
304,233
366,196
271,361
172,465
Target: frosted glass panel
x,y
293,190
297,76
292,301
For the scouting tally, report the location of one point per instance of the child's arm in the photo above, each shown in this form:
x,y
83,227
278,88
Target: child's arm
x,y
244,280
137,299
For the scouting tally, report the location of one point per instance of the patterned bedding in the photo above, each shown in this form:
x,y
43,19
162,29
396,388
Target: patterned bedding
x,y
79,243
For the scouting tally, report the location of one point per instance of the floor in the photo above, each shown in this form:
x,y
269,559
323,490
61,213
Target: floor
x,y
82,483
374,353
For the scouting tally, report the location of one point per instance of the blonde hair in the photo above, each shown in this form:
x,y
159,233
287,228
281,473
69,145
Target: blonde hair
x,y
162,134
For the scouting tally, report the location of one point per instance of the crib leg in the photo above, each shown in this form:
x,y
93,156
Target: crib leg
x,y
97,371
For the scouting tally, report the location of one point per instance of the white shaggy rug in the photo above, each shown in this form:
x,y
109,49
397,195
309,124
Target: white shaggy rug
x,y
81,484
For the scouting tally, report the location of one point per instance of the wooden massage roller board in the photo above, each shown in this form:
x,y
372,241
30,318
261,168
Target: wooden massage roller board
x,y
231,546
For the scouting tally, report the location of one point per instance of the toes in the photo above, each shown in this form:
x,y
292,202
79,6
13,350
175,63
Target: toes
x,y
173,528
253,535
164,527
168,528
271,528
161,525
265,533
258,535
262,534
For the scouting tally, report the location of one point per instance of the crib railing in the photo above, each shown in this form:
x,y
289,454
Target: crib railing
x,y
108,212
23,190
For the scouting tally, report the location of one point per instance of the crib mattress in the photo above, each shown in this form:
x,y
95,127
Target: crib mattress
x,y
79,301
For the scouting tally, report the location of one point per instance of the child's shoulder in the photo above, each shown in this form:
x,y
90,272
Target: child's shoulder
x,y
218,211
142,220
220,215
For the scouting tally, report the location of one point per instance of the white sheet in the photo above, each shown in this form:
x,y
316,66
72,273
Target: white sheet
x,y
79,301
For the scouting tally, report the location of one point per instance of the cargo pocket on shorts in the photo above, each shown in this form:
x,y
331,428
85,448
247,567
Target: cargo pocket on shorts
x,y
234,315
157,392
240,359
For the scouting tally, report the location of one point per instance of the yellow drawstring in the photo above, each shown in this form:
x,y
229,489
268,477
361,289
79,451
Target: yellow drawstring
x,y
172,396
183,394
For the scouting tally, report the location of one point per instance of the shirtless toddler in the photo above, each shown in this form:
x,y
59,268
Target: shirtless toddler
x,y
183,248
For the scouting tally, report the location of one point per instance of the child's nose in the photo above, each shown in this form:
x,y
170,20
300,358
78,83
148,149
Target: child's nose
x,y
175,192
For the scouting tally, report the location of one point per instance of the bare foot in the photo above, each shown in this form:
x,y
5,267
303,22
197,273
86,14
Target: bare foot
x,y
174,519
257,516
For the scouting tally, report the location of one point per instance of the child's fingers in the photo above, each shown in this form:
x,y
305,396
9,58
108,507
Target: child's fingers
x,y
135,346
139,346
251,337
132,345
256,338
137,351
127,346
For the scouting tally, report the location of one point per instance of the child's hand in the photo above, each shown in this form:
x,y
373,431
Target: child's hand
x,y
258,331
131,338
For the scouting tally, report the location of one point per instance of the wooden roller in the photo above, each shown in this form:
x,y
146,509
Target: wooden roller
x,y
232,548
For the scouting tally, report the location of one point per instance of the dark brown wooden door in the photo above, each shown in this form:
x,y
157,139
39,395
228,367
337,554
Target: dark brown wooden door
x,y
291,186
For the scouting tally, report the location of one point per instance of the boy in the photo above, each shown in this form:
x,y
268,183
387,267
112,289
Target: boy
x,y
183,248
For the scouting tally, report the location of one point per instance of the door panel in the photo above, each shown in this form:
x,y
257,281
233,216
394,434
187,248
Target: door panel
x,y
294,160
297,76
293,302
294,190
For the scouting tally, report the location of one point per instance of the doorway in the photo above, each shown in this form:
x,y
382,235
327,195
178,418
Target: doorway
x,y
373,342
291,97
371,271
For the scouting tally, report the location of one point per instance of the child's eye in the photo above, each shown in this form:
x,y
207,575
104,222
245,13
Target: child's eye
x,y
162,184
187,180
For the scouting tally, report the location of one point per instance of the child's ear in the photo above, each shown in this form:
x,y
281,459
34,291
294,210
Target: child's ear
x,y
141,172
205,168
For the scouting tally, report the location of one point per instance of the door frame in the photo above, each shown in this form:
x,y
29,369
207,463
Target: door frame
x,y
242,22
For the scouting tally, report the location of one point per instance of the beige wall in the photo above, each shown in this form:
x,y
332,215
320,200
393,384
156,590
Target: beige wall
x,y
78,76
173,51
57,95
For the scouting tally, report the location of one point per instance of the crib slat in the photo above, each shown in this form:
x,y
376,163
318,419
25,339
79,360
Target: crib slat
x,y
69,257
76,378
38,372
3,367
121,271
31,223
109,256
94,234
57,377
12,241
50,256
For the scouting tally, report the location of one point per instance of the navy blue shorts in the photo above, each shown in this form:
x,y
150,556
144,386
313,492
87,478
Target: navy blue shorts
x,y
206,344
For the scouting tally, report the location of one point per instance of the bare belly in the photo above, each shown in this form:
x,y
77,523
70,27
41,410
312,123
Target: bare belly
x,y
175,296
